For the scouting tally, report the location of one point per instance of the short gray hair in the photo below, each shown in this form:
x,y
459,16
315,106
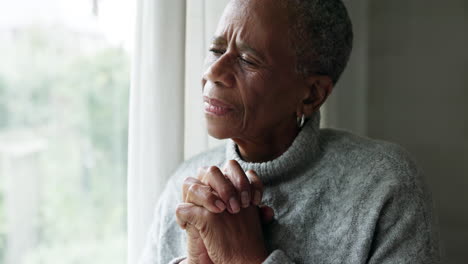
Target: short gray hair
x,y
322,36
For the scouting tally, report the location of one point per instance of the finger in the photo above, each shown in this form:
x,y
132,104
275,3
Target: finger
x,y
201,172
182,210
240,181
223,187
256,187
189,181
266,214
194,191
188,213
202,195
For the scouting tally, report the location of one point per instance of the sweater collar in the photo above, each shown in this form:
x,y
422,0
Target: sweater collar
x,y
302,151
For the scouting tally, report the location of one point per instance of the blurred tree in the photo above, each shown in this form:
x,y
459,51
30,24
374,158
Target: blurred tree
x,y
2,229
3,101
71,88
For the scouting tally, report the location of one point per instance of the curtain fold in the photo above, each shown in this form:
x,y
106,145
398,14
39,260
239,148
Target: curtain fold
x,y
156,118
166,122
202,19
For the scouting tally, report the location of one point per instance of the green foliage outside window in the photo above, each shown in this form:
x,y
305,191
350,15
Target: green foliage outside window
x,y
2,229
70,89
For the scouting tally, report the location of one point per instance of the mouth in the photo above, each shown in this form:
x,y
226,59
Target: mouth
x,y
216,107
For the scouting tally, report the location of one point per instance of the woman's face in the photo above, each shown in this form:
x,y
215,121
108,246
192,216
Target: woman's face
x,y
250,87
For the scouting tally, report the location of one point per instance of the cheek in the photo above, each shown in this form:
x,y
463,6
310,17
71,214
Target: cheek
x,y
258,95
269,96
255,90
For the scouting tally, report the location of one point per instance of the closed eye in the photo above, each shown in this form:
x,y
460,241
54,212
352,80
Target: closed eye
x,y
248,62
217,51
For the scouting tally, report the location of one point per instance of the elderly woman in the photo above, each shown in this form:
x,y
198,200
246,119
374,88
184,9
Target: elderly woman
x,y
282,190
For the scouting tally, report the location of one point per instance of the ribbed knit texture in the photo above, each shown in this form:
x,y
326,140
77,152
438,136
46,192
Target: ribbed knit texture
x,y
337,197
303,150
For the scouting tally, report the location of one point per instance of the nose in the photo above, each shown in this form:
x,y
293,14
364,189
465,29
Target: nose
x,y
220,71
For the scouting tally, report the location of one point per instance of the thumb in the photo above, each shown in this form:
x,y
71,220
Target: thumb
x,y
266,214
187,213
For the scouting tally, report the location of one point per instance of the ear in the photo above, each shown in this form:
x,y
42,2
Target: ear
x,y
317,90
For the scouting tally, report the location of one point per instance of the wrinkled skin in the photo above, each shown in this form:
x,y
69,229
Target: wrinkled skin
x,y
239,234
250,67
207,224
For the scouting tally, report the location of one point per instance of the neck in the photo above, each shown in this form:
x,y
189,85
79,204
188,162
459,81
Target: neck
x,y
266,148
303,150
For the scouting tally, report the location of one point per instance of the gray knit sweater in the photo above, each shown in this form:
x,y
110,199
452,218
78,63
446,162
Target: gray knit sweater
x,y
337,197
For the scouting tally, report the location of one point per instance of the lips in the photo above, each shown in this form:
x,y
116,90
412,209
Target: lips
x,y
216,107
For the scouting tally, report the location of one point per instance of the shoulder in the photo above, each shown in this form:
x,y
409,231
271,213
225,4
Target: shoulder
x,y
212,157
382,182
373,160
381,174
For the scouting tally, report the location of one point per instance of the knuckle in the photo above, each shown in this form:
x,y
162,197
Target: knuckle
x,y
180,213
226,191
179,210
207,215
232,163
189,180
251,175
212,169
254,179
204,178
186,181
201,177
193,188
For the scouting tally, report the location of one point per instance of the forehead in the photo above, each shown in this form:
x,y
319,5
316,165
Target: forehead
x,y
258,23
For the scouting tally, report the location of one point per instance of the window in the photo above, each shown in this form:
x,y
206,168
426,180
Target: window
x,y
64,84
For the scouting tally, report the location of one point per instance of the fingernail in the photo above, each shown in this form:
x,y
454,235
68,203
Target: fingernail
x,y
234,205
245,199
220,205
257,198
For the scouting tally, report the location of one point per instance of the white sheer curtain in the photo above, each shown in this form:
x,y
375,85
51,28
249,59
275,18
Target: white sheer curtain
x,y
166,116
202,18
156,111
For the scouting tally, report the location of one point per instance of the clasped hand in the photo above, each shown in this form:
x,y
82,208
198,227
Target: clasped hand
x,y
222,217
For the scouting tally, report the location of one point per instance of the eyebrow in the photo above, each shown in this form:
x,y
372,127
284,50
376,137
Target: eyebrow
x,y
219,41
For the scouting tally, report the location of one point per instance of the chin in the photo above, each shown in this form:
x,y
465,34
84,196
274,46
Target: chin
x,y
218,131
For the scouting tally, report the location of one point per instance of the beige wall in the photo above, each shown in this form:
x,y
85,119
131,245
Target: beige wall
x,y
418,97
407,82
